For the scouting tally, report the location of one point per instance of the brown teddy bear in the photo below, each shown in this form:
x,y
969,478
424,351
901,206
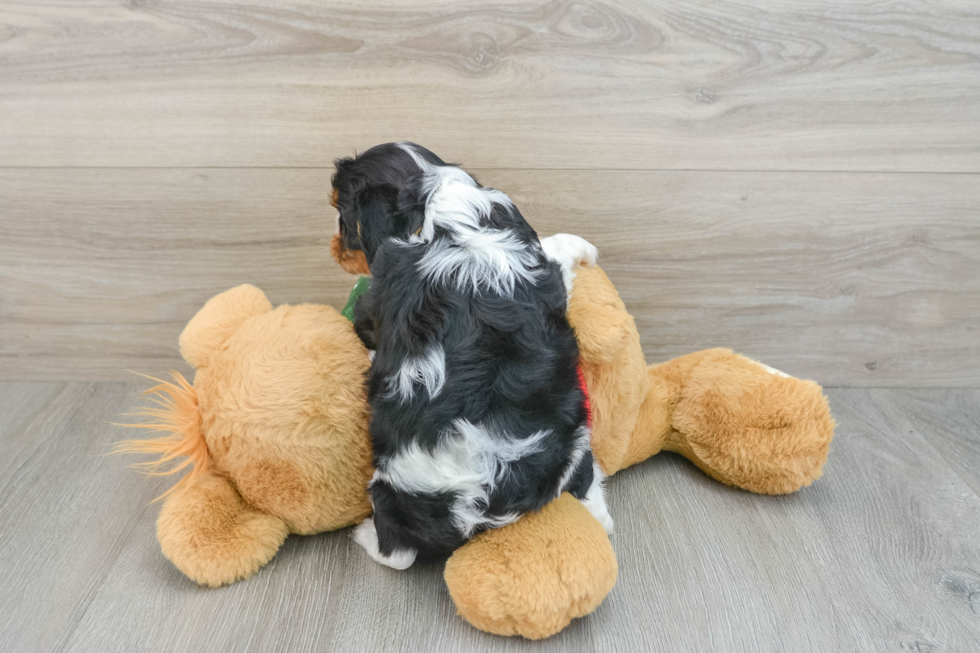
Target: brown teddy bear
x,y
275,427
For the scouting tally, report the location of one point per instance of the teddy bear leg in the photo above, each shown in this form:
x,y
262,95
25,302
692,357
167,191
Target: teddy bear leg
x,y
746,424
532,577
213,536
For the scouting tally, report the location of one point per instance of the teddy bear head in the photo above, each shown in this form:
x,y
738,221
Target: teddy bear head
x,y
282,408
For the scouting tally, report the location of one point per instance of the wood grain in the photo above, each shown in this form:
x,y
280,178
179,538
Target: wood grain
x,y
879,554
677,84
867,280
950,423
63,518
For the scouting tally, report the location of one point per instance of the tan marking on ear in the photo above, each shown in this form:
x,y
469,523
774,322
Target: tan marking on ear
x,y
351,261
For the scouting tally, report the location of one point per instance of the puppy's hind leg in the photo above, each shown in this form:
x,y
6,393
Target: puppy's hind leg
x,y
366,534
381,535
595,500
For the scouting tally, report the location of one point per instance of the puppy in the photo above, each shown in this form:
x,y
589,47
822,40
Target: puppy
x,y
479,411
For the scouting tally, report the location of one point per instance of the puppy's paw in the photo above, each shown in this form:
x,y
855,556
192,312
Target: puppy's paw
x,y
367,536
570,252
595,500
601,513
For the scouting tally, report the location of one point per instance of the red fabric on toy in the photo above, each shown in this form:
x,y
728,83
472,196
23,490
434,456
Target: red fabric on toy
x,y
585,391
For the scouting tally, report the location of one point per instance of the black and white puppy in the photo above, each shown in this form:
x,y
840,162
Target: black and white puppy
x,y
479,413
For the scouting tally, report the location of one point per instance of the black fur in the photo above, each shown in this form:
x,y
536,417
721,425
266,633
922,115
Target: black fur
x,y
511,362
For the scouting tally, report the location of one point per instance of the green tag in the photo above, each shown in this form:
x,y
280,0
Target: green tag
x,y
361,287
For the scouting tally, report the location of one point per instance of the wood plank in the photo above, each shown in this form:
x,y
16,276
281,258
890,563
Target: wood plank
x,y
910,523
851,279
319,594
65,510
677,84
880,553
21,403
102,273
950,423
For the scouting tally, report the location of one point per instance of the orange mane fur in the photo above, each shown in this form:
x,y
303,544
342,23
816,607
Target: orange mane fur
x,y
177,413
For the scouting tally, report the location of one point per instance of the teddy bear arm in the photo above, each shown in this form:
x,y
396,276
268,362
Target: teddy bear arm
x,y
208,532
612,363
603,326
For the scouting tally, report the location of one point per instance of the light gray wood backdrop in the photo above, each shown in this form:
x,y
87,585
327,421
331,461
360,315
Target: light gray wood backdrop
x,y
799,180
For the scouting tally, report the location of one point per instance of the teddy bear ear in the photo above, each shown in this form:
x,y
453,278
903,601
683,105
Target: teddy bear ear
x,y
218,320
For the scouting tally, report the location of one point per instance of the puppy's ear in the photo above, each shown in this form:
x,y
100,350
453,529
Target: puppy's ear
x,y
340,166
411,207
376,219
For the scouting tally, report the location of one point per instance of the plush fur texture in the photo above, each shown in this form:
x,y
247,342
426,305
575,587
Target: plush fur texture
x,y
612,363
744,423
536,575
212,535
276,423
295,447
767,433
477,413
290,384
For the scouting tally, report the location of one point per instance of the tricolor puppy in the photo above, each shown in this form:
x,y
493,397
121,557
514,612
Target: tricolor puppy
x,y
479,412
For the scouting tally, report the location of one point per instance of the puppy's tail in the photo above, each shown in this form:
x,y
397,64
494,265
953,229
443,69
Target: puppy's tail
x,y
176,412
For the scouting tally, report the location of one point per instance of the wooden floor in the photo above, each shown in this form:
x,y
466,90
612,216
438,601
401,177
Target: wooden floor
x,y
880,554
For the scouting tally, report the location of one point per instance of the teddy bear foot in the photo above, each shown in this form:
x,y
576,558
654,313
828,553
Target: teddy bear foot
x,y
532,577
213,536
747,424
367,536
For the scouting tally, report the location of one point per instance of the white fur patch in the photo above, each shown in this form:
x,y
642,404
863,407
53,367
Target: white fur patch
x,y
476,256
583,443
489,258
429,370
570,252
595,500
366,535
469,462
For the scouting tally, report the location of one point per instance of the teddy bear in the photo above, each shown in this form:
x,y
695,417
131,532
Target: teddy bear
x,y
274,429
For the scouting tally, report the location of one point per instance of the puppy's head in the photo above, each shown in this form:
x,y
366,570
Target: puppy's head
x,y
379,195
